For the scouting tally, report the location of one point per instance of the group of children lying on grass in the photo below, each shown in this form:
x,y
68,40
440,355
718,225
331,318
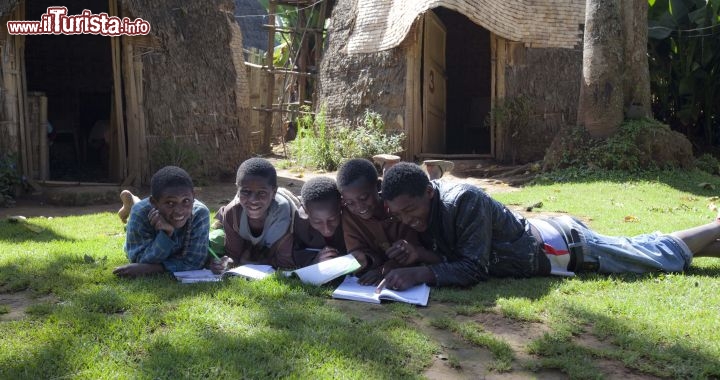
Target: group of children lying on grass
x,y
404,229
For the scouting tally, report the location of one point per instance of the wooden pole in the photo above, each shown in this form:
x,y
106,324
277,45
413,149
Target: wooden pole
x,y
133,140
142,146
44,160
25,145
270,77
119,150
302,58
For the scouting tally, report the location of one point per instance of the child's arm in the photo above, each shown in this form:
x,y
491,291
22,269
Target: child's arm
x,y
194,255
143,243
356,242
406,254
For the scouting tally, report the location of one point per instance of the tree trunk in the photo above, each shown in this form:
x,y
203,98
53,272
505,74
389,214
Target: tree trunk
x,y
636,79
600,108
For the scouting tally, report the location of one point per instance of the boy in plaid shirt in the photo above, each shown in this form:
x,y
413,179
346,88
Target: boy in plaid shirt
x,y
169,230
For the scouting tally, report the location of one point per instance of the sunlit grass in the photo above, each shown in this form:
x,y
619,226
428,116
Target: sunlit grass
x,y
83,322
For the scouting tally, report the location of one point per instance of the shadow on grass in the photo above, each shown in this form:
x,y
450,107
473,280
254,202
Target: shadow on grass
x,y
24,232
627,344
251,331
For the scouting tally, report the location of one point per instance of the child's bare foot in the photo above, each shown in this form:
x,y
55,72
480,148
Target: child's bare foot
x,y
128,200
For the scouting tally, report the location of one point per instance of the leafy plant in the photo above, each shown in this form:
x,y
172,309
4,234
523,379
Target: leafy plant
x,y
708,163
320,147
684,57
9,178
514,116
634,147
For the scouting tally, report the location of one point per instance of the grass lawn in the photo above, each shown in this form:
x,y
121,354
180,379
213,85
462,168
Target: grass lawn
x,y
80,321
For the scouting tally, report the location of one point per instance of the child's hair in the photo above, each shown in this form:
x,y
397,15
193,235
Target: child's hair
x,y
355,169
319,189
258,167
404,178
167,177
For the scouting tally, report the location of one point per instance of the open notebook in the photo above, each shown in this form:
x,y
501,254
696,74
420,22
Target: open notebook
x,y
316,274
351,290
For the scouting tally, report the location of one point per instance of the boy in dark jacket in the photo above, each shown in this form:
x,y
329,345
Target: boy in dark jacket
x,y
475,237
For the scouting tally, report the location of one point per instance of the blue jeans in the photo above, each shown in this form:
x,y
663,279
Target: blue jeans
x,y
639,254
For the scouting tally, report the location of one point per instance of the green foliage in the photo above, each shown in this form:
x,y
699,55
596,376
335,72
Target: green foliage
x,y
684,57
514,115
708,163
629,149
9,178
317,146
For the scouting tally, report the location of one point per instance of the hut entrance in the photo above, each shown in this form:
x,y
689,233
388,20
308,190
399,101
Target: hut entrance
x,y
75,75
464,89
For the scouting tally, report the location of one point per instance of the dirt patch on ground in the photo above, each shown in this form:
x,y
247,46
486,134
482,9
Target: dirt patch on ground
x,y
17,303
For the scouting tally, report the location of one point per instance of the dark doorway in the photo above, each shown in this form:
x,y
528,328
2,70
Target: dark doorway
x,y
468,72
75,73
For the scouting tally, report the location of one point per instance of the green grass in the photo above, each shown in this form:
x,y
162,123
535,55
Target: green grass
x,y
660,324
83,322
102,326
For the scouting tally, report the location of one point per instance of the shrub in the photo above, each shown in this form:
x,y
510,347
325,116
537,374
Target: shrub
x,y
637,145
9,178
320,147
708,163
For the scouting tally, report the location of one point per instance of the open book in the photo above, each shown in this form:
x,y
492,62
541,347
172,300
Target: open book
x,y
316,274
193,276
328,270
250,271
351,290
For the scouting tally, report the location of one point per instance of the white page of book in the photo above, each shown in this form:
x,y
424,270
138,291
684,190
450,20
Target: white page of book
x,y
200,275
352,290
251,271
325,271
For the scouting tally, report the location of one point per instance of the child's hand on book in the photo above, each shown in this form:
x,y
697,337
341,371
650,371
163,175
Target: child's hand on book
x,y
404,278
371,277
403,253
221,265
327,253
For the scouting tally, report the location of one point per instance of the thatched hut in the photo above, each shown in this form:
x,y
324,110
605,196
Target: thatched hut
x,y
436,68
175,96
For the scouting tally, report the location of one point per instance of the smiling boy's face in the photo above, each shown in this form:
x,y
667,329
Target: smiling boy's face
x,y
413,211
175,205
256,195
361,198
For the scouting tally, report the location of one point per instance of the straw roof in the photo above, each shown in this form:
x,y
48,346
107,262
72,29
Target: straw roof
x,y
383,24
